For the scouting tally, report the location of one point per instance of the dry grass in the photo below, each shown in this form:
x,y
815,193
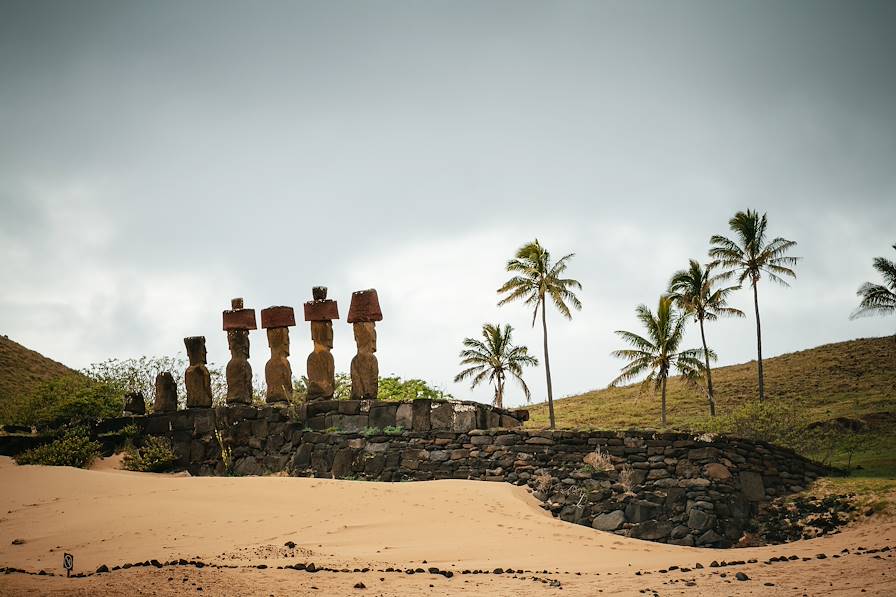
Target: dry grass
x,y
599,461
847,379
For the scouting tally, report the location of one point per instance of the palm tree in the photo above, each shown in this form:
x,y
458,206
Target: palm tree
x,y
494,359
878,299
537,279
693,292
750,256
659,353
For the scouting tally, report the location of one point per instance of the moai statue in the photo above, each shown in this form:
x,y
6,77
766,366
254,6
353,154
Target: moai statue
x,y
277,371
166,393
134,403
321,369
197,379
363,314
237,323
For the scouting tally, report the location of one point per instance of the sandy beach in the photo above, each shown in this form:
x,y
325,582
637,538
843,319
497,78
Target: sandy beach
x,y
230,526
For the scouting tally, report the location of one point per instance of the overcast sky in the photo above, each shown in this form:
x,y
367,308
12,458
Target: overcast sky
x,y
159,158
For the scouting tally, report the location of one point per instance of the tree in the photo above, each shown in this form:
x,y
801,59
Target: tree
x,y
878,299
693,291
495,359
658,353
537,279
750,256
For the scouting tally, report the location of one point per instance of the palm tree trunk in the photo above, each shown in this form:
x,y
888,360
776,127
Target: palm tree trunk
x,y
547,365
712,402
663,415
758,342
499,395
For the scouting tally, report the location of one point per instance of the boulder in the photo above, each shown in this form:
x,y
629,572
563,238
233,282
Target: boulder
x,y
716,472
609,521
752,486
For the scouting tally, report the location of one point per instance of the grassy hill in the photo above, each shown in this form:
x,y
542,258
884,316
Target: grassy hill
x,y
833,384
21,371
851,379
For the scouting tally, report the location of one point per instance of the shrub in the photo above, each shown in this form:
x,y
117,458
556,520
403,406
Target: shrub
x,y
155,456
390,430
72,448
71,398
773,421
599,461
371,431
543,482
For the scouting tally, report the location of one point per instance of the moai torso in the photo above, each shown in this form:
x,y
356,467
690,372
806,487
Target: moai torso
x,y
363,314
197,380
320,366
237,323
166,393
277,371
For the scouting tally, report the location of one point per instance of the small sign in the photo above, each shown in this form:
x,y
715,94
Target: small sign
x,y
68,562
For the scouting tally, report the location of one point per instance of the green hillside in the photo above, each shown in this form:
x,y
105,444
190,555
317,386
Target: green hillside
x,y
846,387
21,372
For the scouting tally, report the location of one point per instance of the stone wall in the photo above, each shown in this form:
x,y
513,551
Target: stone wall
x,y
678,489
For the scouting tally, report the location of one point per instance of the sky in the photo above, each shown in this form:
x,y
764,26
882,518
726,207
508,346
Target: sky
x,y
158,159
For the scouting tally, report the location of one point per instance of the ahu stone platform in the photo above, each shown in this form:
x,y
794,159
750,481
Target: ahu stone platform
x,y
666,487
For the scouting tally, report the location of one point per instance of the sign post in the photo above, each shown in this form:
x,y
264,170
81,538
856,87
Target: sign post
x,y
68,562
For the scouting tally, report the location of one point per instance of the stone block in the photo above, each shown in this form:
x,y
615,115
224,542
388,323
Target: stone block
x,y
404,416
700,520
342,463
465,418
609,521
752,486
421,411
383,415
641,510
716,472
441,416
349,407
353,423
321,407
651,530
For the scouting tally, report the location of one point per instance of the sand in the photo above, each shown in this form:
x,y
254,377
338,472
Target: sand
x,y
112,517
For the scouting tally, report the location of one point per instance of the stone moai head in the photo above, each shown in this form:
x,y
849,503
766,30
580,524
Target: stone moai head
x,y
278,340
363,314
238,342
196,350
322,334
277,321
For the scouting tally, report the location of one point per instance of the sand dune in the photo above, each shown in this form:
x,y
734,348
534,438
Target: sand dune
x,y
112,517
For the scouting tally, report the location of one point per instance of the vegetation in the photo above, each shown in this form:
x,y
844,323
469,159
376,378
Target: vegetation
x,y
494,359
535,279
748,257
22,371
72,448
659,353
843,391
391,388
878,299
156,455
68,399
694,292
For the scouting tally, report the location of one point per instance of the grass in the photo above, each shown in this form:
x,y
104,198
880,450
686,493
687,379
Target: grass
x,y
853,379
21,372
833,384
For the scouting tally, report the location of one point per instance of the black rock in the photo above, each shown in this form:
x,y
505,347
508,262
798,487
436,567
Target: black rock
x,y
360,585
102,569
741,576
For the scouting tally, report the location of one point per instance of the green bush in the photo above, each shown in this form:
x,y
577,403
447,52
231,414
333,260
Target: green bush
x,y
156,455
72,398
72,448
774,421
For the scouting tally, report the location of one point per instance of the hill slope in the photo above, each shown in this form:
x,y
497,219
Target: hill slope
x,y
22,370
851,379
